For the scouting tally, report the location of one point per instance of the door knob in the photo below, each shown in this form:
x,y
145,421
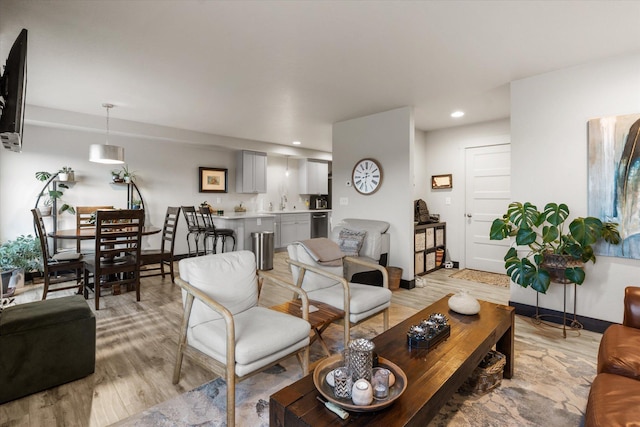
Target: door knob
x,y
469,215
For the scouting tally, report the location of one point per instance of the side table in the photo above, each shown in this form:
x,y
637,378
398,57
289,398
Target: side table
x,y
319,319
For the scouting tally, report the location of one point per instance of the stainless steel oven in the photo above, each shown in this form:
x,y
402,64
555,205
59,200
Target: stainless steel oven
x,y
319,224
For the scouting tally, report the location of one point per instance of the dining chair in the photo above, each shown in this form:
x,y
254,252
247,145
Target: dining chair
x,y
163,255
194,227
211,231
85,218
57,267
116,261
224,328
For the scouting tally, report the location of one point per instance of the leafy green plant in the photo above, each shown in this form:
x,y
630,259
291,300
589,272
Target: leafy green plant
x,y
50,194
66,169
127,174
546,234
24,253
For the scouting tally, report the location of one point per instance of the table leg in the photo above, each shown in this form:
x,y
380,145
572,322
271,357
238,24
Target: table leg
x,y
505,345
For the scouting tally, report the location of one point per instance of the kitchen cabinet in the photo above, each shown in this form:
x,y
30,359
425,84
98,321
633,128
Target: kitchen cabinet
x,y
251,172
244,225
429,247
294,227
314,176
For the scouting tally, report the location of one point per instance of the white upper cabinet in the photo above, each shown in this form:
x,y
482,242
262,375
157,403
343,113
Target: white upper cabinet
x,y
251,172
314,176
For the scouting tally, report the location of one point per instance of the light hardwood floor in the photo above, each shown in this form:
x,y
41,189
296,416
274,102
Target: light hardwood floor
x,y
136,346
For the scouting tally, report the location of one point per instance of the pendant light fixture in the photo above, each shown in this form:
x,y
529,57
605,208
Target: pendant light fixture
x,y
105,153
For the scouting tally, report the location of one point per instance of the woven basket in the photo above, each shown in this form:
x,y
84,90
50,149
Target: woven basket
x,y
488,375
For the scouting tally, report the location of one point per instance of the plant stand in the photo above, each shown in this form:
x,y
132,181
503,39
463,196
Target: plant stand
x,y
574,323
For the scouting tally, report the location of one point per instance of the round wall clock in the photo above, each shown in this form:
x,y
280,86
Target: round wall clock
x,y
367,176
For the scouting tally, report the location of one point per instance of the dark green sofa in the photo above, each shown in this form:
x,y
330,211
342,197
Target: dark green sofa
x,y
44,344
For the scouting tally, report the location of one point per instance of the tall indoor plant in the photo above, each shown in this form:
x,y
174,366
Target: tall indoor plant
x,y
556,252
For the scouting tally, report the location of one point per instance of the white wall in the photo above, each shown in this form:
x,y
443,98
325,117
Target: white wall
x,y
444,153
165,161
549,163
388,138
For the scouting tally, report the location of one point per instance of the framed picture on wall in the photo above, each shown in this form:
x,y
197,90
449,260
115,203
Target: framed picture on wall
x,y
213,180
441,181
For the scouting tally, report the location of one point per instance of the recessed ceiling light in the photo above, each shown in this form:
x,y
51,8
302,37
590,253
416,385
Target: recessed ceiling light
x,y
457,114
296,142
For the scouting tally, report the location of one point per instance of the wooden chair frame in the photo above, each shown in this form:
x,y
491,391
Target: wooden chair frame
x,y
227,371
83,215
116,239
53,266
345,286
162,256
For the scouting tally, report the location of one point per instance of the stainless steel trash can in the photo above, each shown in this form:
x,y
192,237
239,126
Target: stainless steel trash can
x,y
262,246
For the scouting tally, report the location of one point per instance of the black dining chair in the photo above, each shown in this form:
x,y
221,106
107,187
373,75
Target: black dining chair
x,y
213,232
162,256
116,261
58,268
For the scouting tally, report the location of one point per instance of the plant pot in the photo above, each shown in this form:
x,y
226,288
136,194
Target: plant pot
x,y
11,279
556,264
63,176
45,211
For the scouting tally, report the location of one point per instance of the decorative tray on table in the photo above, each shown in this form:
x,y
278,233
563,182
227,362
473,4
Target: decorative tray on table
x,y
332,362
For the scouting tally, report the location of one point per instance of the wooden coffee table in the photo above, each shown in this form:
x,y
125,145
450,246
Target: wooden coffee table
x,y
433,376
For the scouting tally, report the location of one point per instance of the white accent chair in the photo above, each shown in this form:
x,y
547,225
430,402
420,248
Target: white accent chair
x,y
223,327
328,285
376,245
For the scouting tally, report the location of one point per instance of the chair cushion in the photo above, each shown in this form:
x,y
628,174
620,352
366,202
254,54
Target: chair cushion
x,y
262,337
67,256
372,244
619,351
364,299
350,241
229,278
312,281
614,400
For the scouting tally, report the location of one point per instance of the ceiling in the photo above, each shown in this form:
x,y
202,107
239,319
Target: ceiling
x,y
279,71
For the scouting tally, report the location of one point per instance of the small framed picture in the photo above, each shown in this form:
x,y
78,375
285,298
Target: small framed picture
x,y
213,180
441,181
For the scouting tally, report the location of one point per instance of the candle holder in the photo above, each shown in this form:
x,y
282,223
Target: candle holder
x,y
429,333
361,358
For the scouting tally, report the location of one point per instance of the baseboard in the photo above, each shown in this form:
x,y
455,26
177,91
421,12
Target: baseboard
x,y
554,316
407,284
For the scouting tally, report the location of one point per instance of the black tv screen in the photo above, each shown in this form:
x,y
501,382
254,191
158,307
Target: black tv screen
x,y
13,86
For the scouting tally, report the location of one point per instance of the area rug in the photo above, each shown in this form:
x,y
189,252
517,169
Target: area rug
x,y
482,277
549,388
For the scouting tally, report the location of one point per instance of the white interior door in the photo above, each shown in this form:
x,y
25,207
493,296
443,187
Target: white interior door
x,y
488,193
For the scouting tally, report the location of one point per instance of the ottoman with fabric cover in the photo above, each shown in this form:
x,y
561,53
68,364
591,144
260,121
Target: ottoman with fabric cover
x,y
44,344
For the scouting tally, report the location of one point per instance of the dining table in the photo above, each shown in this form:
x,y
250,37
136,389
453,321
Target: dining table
x,y
89,233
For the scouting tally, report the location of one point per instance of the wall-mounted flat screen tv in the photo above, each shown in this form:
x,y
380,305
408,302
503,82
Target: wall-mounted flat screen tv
x,y
13,86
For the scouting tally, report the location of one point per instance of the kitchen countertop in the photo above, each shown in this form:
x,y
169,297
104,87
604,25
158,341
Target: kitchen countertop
x,y
266,214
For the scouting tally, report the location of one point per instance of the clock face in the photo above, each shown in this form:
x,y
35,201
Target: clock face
x,y
367,176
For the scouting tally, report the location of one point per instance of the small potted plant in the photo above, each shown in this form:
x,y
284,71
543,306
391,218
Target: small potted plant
x,y
49,194
17,257
136,204
116,176
555,253
127,175
66,174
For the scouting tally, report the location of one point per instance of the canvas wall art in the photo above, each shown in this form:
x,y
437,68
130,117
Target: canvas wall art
x,y
614,180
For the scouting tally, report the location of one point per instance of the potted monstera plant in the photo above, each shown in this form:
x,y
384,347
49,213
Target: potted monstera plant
x,y
49,194
557,250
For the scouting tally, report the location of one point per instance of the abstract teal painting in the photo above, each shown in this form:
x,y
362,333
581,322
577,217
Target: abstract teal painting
x,y
614,180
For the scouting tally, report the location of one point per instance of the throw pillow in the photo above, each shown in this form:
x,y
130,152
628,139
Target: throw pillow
x,y
350,241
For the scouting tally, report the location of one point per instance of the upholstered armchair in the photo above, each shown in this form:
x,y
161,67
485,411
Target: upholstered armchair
x,y
328,284
223,327
375,243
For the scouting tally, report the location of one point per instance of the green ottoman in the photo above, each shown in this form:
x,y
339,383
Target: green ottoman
x,y
44,344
